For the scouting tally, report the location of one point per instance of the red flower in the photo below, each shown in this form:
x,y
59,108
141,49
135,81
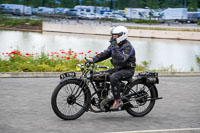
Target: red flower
x,y
13,57
74,56
57,55
89,51
84,61
96,52
2,53
68,58
27,54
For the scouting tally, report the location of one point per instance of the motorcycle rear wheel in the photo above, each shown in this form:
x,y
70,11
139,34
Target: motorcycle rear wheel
x,y
141,101
69,100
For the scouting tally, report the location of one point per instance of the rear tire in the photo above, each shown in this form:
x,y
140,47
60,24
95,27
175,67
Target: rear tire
x,y
141,105
69,100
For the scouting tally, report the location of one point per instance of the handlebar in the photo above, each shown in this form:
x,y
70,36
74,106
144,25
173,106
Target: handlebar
x,y
88,64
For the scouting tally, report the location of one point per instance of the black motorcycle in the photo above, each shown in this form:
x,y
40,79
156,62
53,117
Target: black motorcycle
x,y
91,91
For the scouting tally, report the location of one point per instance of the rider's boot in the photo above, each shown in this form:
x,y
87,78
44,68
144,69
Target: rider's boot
x,y
117,104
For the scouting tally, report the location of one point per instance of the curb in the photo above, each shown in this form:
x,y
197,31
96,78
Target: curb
x,y
57,74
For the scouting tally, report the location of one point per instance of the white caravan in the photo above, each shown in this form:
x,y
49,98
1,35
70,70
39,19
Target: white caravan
x,y
137,13
90,9
45,11
175,14
12,8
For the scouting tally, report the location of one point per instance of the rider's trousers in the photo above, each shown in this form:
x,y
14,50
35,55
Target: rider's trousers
x,y
116,77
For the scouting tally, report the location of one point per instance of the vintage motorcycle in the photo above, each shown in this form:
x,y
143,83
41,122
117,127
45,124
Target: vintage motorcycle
x,y
91,91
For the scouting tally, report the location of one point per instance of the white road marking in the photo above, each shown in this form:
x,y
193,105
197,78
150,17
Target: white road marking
x,y
161,130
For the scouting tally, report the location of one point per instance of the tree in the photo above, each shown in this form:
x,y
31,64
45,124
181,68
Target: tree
x,y
67,3
152,4
193,5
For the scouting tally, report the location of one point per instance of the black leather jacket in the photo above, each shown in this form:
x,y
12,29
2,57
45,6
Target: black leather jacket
x,y
123,57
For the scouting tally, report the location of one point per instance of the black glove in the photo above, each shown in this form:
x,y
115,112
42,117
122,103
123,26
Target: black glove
x,y
113,43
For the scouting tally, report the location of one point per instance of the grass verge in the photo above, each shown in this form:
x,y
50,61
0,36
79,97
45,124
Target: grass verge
x,y
20,23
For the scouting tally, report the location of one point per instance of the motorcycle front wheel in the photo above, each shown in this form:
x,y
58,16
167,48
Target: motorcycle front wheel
x,y
69,100
142,98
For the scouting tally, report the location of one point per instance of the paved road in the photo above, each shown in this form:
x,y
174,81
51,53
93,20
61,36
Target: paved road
x,y
25,108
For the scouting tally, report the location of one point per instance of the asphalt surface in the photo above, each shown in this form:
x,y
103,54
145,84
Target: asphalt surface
x,y
25,108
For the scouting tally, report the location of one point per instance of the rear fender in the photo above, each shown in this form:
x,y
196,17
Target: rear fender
x,y
143,81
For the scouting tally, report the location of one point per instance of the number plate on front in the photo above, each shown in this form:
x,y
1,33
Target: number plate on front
x,y
67,74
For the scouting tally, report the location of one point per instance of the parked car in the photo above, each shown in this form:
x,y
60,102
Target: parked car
x,y
17,12
71,12
120,18
60,11
34,11
193,17
82,15
90,16
45,11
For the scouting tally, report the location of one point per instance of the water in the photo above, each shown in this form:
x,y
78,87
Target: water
x,y
162,53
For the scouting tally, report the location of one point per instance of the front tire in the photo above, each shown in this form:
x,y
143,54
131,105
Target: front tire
x,y
141,101
70,100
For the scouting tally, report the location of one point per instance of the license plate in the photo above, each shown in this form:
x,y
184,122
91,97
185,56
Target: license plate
x,y
67,74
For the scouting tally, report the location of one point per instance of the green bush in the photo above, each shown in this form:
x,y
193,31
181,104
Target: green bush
x,y
43,62
27,67
11,22
144,21
36,23
61,68
198,60
44,68
198,23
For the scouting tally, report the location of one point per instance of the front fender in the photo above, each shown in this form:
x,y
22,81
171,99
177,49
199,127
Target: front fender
x,y
68,78
86,88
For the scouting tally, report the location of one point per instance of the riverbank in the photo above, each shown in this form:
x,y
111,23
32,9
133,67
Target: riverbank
x,y
24,29
189,33
26,25
57,74
98,27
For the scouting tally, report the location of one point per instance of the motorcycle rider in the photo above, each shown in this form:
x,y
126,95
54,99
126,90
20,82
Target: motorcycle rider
x,y
123,60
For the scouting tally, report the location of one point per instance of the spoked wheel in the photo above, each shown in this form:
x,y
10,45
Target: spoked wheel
x,y
69,100
141,101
